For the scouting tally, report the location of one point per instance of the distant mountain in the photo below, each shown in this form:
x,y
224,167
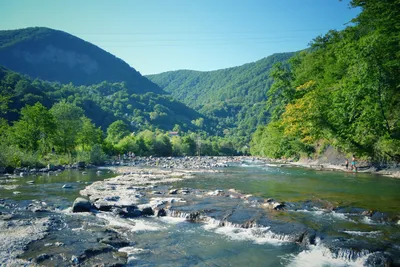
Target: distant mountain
x,y
57,56
235,96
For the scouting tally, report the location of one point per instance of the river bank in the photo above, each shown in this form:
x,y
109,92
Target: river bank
x,y
327,163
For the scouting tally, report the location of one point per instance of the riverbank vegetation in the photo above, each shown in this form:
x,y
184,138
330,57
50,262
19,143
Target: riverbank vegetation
x,y
63,134
343,92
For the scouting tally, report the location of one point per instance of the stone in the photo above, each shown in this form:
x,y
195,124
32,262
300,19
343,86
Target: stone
x,y
74,260
161,213
132,212
278,206
81,205
173,191
147,211
41,258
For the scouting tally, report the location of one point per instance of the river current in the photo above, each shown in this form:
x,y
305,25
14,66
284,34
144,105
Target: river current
x,y
337,205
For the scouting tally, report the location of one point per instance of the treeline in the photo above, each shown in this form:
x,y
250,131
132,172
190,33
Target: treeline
x,y
343,92
63,134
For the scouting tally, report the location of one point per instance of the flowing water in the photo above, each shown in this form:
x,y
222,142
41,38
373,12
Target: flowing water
x,y
331,203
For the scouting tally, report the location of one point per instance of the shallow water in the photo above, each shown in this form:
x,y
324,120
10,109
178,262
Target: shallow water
x,y
169,241
48,187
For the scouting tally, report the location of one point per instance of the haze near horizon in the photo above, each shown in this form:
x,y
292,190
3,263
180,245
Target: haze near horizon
x,y
158,36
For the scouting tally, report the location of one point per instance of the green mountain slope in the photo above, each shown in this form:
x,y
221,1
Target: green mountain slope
x,y
54,55
234,96
104,103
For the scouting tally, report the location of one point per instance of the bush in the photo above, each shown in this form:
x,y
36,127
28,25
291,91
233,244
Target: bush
x,y
97,156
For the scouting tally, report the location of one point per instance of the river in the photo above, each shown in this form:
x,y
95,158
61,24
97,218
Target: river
x,y
333,204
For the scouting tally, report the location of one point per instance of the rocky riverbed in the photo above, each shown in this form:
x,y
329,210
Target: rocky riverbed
x,y
146,192
97,228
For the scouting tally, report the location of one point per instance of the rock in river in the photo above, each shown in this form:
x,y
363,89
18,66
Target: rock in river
x,y
81,205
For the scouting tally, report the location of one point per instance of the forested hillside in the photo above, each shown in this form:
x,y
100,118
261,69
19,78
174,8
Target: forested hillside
x,y
54,55
103,103
344,92
234,96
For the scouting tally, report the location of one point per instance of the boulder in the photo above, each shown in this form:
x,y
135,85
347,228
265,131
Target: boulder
x,y
81,205
132,212
148,211
161,213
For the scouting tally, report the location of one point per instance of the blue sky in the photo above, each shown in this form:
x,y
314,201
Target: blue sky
x,y
162,35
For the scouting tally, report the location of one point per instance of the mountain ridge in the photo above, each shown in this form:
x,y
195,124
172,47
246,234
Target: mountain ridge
x,y
55,55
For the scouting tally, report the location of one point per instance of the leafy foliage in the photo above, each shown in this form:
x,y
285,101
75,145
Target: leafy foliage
x,y
345,90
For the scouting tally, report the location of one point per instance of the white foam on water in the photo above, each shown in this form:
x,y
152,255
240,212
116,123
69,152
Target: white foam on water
x,y
133,250
360,233
133,225
146,225
132,253
172,220
319,255
367,220
257,235
251,165
326,214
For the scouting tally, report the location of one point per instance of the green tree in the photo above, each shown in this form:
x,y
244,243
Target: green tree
x,y
89,134
34,129
69,124
116,131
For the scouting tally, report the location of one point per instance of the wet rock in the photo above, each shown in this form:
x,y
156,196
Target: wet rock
x,y
307,238
37,207
41,258
194,217
132,212
379,259
114,239
274,205
379,217
102,256
118,211
278,206
67,186
161,213
148,211
112,198
103,205
81,205
74,260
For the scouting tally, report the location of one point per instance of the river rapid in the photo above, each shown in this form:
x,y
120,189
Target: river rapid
x,y
249,213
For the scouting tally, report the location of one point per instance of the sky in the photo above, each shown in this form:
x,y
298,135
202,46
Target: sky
x,y
155,36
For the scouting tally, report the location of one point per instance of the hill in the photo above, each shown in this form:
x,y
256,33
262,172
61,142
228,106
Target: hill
x,y
103,103
234,96
57,56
